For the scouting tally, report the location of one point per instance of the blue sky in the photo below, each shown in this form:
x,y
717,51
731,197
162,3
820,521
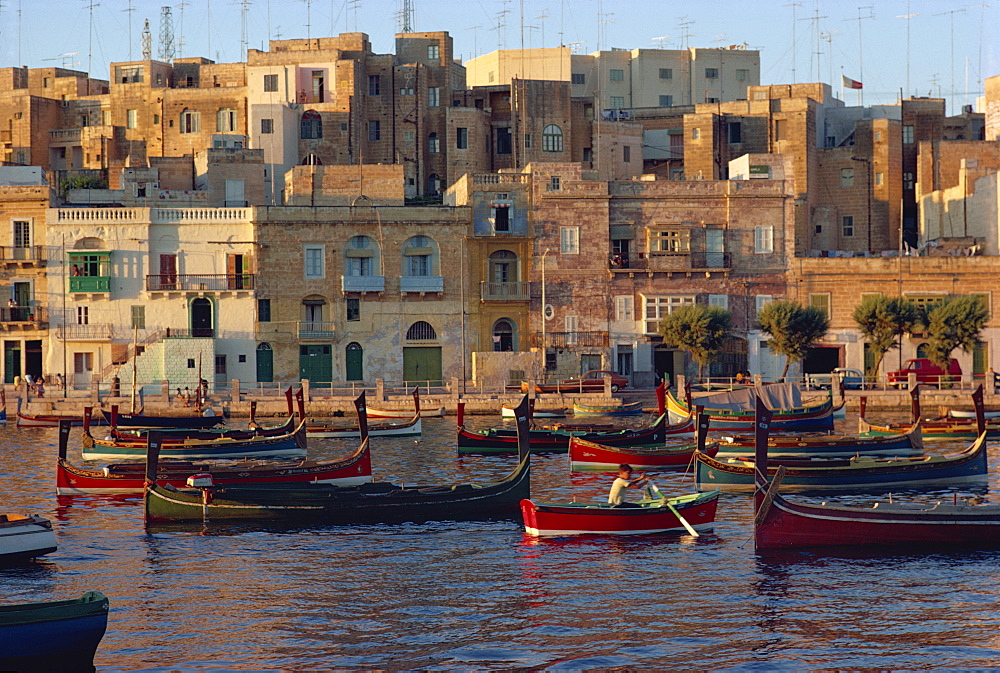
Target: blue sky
x,y
919,47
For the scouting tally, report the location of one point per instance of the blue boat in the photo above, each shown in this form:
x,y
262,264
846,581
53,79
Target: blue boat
x,y
808,417
57,636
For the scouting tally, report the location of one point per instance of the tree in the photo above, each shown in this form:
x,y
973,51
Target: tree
x,y
955,323
699,329
882,320
80,182
793,329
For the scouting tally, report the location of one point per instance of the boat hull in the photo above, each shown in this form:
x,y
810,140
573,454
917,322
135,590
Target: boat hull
x,y
25,421
292,445
816,417
179,422
25,537
58,635
908,443
587,456
433,412
627,409
561,519
330,431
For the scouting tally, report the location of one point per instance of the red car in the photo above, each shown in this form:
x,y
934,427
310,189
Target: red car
x,y
926,372
590,382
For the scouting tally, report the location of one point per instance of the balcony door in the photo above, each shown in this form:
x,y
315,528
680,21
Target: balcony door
x,y
168,272
714,248
201,318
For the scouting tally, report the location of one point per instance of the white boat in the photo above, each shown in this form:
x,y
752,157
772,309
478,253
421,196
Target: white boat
x,y
965,413
508,412
326,430
24,537
433,412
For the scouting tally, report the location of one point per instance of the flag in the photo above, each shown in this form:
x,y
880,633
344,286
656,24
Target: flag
x,y
850,83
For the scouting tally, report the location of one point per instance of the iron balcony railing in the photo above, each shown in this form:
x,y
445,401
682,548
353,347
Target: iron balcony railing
x,y
519,290
571,339
672,261
34,253
313,330
216,282
24,314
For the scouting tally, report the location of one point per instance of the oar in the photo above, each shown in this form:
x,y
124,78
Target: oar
x,y
673,510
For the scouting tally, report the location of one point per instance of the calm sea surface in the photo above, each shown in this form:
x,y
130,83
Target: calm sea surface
x,y
483,595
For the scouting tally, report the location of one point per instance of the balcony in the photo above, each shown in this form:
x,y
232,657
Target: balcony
x,y
69,136
23,257
571,340
89,284
421,284
674,261
316,331
197,283
24,318
501,179
96,332
362,283
518,290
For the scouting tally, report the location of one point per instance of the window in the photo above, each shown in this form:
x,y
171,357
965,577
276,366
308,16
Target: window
x,y
711,73
571,324
125,74
190,121
360,253
617,75
433,146
462,138
374,130
318,85
666,73
490,76
527,141
847,225
552,139
821,301
263,310
578,78
588,154
418,256
501,217
408,136
711,99
695,133
624,308
433,96
353,309
82,315
657,308
907,135
846,177
569,240
22,233
670,241
762,300
156,120
878,135
763,239
908,181
433,52
226,120
555,183
879,178
138,317
666,101
267,126
311,126
626,153
270,83
373,85
131,119
406,91
617,102
504,145
720,300
780,129
314,263
735,130
742,75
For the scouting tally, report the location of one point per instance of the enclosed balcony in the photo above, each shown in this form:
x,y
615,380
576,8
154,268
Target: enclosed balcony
x,y
90,271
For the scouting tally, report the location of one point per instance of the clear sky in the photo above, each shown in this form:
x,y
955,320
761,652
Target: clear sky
x,y
917,47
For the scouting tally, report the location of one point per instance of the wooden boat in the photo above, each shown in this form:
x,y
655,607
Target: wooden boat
x,y
654,515
936,430
507,411
587,456
53,636
129,478
368,503
432,412
24,537
139,420
782,524
907,443
327,430
860,472
289,445
967,413
51,420
810,417
624,409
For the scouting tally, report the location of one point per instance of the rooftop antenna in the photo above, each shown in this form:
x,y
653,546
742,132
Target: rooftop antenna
x,y
19,32
309,18
815,27
602,27
90,34
907,16
406,17
951,17
861,52
979,67
793,5
475,45
661,41
542,15
166,34
129,12
244,37
720,39
828,36
208,12
180,27
353,6
64,59
147,42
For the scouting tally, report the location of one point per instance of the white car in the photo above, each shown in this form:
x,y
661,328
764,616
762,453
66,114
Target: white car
x,y
853,379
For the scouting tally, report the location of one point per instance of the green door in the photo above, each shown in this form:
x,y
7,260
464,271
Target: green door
x,y
353,360
265,363
422,364
11,360
980,359
315,363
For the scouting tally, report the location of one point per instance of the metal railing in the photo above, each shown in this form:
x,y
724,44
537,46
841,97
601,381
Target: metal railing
x,y
34,253
24,314
216,282
571,339
518,290
311,329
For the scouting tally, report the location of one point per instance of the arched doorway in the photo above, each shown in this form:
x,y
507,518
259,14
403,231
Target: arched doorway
x,y
265,363
422,360
504,335
201,318
354,362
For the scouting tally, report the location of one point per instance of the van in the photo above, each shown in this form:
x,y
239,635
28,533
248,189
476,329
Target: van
x,y
926,371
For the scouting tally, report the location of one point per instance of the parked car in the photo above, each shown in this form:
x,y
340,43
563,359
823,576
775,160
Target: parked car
x,y
592,381
853,379
926,371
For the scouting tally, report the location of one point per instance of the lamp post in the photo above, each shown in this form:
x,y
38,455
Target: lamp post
x,y
544,317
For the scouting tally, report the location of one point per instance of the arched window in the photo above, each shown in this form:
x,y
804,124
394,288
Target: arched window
x,y
420,331
504,335
313,313
419,256
311,160
433,144
552,139
503,267
922,350
360,254
312,125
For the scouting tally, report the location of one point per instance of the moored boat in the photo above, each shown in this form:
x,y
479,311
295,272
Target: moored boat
x,y
653,515
935,430
906,443
139,420
53,636
587,456
507,411
623,409
24,537
741,417
330,430
431,412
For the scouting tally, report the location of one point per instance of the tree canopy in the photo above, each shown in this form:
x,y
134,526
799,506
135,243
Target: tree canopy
x,y
792,329
699,329
955,323
882,320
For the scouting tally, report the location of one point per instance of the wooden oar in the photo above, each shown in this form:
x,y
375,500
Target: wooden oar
x,y
673,510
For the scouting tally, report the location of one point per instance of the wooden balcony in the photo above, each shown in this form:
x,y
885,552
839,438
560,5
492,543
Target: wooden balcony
x,y
199,283
518,290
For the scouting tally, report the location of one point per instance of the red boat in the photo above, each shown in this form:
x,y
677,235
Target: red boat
x,y
129,478
782,524
653,515
592,456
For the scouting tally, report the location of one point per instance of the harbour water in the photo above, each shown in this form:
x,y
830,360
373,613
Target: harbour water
x,y
482,595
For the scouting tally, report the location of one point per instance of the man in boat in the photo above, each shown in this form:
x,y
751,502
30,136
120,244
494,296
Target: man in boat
x,y
617,495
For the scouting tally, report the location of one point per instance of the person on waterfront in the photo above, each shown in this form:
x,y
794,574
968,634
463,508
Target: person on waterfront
x,y
187,396
60,382
40,387
179,398
616,497
30,381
